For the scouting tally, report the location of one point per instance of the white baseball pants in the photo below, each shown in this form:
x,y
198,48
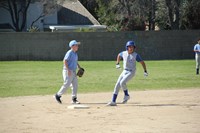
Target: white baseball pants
x,y
197,57
122,80
68,80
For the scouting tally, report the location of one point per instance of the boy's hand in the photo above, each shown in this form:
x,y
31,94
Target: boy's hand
x,y
80,72
69,73
117,66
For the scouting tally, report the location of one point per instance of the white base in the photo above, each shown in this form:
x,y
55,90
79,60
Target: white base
x,y
78,106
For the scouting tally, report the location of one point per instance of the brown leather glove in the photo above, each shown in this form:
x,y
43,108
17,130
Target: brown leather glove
x,y
80,72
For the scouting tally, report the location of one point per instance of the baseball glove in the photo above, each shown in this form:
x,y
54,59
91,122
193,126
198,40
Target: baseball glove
x,y
80,72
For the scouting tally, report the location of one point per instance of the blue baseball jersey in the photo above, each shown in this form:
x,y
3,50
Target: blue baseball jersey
x,y
197,47
72,59
129,60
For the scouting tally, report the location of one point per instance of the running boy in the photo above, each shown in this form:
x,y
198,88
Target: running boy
x,y
70,63
129,64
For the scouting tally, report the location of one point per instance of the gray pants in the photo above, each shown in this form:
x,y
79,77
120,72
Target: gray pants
x,y
197,57
122,80
67,82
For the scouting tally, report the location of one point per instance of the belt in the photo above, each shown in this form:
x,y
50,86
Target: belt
x,y
128,70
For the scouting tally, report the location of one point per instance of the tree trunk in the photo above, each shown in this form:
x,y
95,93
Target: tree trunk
x,y
152,15
16,11
177,14
24,15
173,13
12,15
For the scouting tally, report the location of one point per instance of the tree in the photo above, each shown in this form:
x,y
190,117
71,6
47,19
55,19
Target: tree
x,y
49,7
91,6
128,15
174,13
18,12
191,15
133,17
152,14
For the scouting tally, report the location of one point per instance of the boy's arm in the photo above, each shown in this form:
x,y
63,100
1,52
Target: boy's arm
x,y
66,65
118,59
117,62
78,66
144,67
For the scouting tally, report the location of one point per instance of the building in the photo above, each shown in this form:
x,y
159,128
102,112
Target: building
x,y
68,13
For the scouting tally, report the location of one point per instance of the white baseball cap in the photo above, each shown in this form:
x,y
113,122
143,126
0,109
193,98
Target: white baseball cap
x,y
73,42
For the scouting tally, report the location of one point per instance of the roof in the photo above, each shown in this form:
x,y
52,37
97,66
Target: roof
x,y
74,13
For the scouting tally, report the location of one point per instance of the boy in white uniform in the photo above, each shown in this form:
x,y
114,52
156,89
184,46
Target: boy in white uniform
x,y
129,64
197,56
70,63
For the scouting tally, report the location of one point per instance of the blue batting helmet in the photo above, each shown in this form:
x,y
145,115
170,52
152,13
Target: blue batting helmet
x,y
130,43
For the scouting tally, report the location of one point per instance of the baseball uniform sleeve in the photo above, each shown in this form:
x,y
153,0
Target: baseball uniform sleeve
x,y
138,58
67,56
121,54
195,48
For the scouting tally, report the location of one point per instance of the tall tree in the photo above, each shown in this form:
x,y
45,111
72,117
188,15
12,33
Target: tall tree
x,y
91,6
174,13
191,16
128,14
152,14
49,7
18,12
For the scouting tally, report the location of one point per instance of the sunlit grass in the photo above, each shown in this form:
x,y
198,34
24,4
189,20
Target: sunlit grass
x,y
21,78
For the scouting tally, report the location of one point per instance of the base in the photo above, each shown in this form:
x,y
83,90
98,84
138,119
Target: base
x,y
78,106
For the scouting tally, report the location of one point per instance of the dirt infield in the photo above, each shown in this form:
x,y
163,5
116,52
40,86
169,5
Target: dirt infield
x,y
163,111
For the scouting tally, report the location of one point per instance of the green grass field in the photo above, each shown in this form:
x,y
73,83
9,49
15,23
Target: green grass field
x,y
22,78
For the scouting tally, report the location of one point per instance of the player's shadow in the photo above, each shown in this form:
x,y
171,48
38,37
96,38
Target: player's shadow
x,y
103,103
161,105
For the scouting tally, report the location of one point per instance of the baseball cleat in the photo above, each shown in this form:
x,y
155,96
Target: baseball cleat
x,y
126,98
112,104
75,101
57,97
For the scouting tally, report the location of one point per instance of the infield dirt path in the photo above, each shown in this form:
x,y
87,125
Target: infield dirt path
x,y
163,111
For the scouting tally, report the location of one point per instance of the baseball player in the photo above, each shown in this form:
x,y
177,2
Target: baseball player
x,y
197,56
129,64
70,63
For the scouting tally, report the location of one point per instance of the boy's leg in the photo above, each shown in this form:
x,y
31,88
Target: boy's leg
x,y
66,84
128,76
197,63
116,91
74,89
117,87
